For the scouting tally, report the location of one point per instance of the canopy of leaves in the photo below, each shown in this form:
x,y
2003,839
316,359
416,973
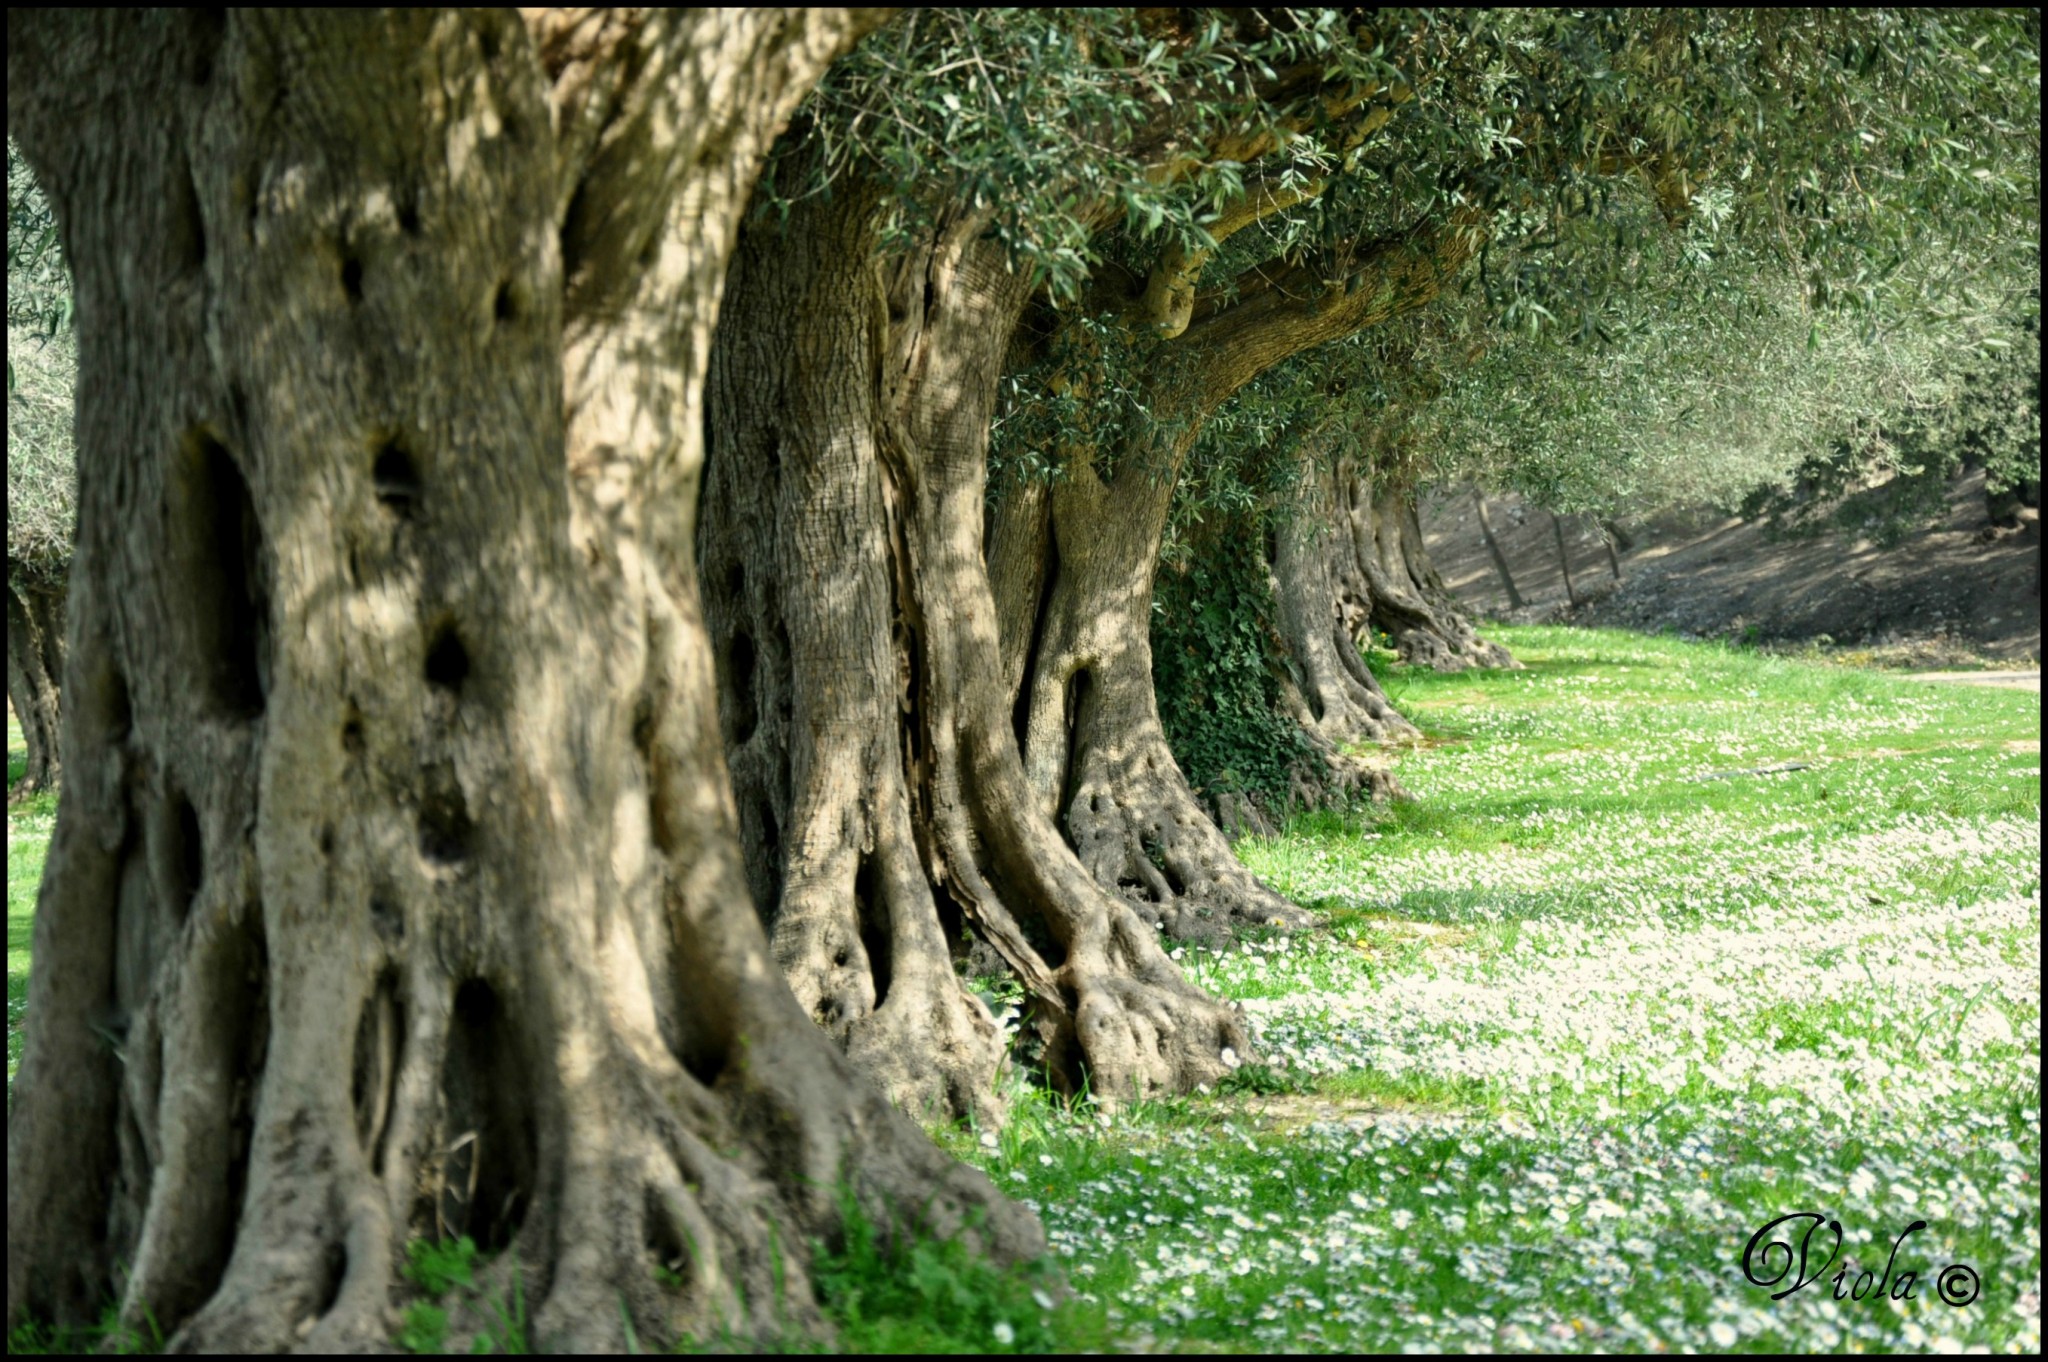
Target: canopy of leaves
x,y
1054,123
1772,188
1887,477
1763,243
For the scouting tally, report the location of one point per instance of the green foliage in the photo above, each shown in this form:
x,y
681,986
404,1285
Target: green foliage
x,y
1260,1080
1997,422
1215,668
1887,478
445,1268
1051,122
42,370
887,1291
1046,410
438,1268
33,1337
38,284
1719,243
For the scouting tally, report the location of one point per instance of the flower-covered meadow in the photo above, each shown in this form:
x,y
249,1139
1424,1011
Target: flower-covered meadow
x,y
1672,941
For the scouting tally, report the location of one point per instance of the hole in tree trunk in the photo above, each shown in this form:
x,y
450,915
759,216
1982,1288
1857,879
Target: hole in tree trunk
x,y
663,1245
189,859
444,825
643,728
447,660
873,914
387,918
187,235
352,278
488,1163
396,478
380,1041
740,663
218,546
253,1002
333,1267
209,27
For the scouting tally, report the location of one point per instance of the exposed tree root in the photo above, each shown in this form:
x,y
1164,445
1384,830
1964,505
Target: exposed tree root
x,y
1135,824
1094,750
1387,581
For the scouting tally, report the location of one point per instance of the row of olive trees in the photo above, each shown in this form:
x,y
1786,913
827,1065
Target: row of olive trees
x,y
538,594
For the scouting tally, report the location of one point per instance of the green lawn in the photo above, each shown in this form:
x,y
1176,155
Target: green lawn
x,y
1602,1000
28,836
1590,1011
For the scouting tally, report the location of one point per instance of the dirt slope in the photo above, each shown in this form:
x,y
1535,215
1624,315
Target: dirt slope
x,y
1959,591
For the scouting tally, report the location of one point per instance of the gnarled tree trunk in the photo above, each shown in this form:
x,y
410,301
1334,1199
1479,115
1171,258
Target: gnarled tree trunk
x,y
1387,580
35,660
394,886
882,798
1093,744
1094,749
1339,699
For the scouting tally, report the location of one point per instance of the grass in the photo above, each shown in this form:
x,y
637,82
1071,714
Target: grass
x,y
29,824
1594,1007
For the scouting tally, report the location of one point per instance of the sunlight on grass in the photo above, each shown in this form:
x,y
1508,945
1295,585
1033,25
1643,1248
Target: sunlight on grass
x,y
1594,1007
1599,1002
28,838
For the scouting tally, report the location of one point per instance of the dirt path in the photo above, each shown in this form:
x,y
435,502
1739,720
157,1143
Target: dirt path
x,y
2006,680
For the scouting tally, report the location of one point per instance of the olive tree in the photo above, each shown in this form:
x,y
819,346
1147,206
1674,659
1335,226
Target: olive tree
x,y
395,881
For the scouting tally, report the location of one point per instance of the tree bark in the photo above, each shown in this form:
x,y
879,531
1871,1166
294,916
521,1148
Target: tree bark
x,y
1335,696
1564,559
1500,560
882,798
1613,558
1388,581
1094,750
795,542
35,659
394,886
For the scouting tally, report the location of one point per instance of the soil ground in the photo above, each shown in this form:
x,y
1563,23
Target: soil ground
x,y
1960,593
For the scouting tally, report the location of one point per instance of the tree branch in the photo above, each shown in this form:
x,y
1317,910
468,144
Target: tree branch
x,y
1281,313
